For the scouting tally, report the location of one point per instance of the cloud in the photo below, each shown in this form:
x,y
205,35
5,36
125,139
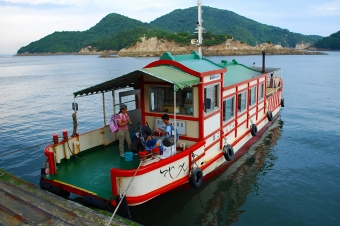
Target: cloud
x,y
326,9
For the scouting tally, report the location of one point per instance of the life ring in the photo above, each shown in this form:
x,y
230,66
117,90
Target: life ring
x,y
228,152
270,116
282,102
196,178
253,130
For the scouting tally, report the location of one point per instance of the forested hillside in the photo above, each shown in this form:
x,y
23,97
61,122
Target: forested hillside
x,y
241,28
115,31
331,43
129,38
73,41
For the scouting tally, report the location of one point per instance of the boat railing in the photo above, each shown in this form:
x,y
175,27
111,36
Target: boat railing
x,y
275,88
73,145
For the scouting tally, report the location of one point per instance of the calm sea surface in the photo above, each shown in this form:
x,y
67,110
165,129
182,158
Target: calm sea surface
x,y
291,176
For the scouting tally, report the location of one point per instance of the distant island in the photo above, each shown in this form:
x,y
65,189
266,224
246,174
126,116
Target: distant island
x,y
227,33
331,42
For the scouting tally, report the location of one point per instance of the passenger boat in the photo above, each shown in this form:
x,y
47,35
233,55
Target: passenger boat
x,y
219,110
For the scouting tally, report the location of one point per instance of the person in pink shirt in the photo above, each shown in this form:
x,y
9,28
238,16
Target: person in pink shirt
x,y
123,130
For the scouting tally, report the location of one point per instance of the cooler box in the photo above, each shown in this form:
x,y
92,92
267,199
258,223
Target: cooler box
x,y
168,151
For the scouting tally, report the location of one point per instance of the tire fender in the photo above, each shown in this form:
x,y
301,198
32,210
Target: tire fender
x,y
228,152
270,116
253,130
196,177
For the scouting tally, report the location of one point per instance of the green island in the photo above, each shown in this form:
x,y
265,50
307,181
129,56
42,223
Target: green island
x,y
116,32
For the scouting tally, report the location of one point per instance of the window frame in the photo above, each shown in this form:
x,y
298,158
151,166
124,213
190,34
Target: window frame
x,y
239,103
250,96
163,96
260,96
225,110
215,102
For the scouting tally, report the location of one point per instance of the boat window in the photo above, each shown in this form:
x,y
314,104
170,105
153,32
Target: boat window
x,y
252,98
211,98
228,109
162,100
242,101
261,92
130,101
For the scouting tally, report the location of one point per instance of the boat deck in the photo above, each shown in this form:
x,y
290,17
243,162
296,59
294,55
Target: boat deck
x,y
272,91
90,170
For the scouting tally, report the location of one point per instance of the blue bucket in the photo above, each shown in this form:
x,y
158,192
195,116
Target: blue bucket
x,y
128,156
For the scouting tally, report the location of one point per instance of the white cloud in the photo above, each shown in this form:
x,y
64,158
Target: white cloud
x,y
326,9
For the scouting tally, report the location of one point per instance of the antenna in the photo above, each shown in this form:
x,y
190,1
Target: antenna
x,y
199,29
199,26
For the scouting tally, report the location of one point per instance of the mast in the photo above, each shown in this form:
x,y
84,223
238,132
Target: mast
x,y
199,28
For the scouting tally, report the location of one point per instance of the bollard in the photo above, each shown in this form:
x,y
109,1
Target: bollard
x,y
55,138
65,134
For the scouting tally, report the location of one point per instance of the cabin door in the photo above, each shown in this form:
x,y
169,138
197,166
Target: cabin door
x,y
132,100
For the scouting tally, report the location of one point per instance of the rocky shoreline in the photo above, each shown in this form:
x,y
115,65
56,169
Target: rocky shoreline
x,y
205,53
153,47
223,53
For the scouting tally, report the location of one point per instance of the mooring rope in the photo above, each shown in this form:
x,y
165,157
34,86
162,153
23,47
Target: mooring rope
x,y
10,152
75,155
33,146
124,194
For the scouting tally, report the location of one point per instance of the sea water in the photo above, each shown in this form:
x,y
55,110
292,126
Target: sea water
x,y
289,177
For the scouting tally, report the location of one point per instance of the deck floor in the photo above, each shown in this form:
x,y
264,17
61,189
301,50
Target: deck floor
x,y
91,169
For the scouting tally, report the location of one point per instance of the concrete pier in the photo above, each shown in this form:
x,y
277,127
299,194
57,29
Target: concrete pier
x,y
23,203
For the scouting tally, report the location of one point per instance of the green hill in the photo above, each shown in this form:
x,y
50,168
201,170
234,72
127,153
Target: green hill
x,y
331,42
115,31
131,37
241,28
73,41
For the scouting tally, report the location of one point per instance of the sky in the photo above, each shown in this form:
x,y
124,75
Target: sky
x,y
25,21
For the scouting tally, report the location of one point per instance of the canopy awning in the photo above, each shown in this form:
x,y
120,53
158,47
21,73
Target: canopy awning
x,y
174,76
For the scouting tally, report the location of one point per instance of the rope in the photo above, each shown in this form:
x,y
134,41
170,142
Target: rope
x,y
225,141
193,158
124,194
10,152
81,158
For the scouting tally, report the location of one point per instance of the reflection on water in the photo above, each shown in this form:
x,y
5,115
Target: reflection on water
x,y
219,200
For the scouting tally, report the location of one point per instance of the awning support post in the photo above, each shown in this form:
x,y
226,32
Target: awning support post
x,y
114,101
74,118
175,118
103,96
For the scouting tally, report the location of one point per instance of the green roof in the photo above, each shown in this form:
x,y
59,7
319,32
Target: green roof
x,y
237,72
193,61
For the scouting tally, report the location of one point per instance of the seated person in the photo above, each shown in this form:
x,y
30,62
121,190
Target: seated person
x,y
165,131
149,137
150,142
